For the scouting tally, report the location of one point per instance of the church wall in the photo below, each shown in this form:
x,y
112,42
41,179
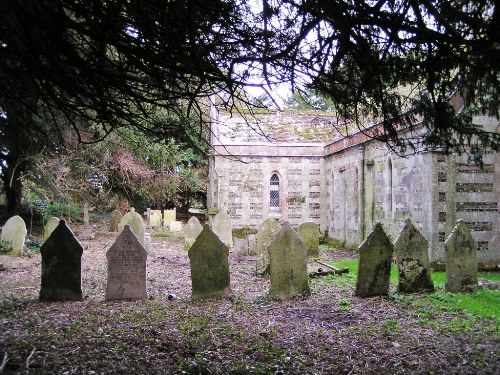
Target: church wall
x,y
243,184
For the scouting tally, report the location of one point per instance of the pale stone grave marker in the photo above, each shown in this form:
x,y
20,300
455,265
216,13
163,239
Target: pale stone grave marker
x,y
168,217
461,260
49,227
114,220
221,226
374,270
265,235
126,268
136,223
288,264
155,218
240,246
208,258
412,258
309,233
252,244
14,234
86,216
175,226
61,266
193,229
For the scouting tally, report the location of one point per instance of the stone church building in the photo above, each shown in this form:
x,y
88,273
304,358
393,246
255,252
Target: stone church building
x,y
298,167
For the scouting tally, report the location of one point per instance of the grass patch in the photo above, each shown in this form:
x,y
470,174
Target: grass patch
x,y
162,234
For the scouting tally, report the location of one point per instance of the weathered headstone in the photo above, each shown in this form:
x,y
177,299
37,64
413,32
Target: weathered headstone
x,y
221,226
168,217
86,216
155,218
461,260
265,235
136,223
240,246
61,266
252,244
288,264
309,233
175,226
147,244
49,227
126,268
208,258
13,234
193,229
114,220
374,270
412,258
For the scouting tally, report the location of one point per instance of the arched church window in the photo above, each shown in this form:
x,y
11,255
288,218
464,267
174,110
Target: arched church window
x,y
274,191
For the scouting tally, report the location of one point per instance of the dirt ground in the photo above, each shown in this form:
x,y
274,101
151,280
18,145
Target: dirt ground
x,y
329,332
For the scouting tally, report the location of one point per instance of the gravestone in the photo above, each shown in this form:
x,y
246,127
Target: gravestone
x,y
288,264
193,229
175,226
155,218
461,260
168,217
252,244
309,233
86,217
114,220
240,246
147,244
61,266
49,227
221,226
136,223
265,235
412,258
126,268
374,266
13,234
208,258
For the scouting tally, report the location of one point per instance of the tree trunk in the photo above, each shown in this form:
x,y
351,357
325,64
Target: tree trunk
x,y
13,188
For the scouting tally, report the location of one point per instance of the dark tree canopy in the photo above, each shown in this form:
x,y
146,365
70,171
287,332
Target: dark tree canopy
x,y
93,66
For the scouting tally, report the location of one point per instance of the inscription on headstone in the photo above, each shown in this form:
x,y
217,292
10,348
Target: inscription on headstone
x,y
126,268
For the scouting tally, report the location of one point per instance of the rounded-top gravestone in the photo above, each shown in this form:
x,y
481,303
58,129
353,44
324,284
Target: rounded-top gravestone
x,y
193,229
14,233
49,227
136,223
309,233
265,235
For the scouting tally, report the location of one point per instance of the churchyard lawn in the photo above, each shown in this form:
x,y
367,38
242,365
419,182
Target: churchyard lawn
x,y
329,332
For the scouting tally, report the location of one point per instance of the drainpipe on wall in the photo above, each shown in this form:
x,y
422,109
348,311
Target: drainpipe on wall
x,y
362,198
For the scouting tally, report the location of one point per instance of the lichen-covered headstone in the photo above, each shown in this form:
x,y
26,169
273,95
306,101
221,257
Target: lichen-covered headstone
x,y
168,217
208,258
309,233
265,235
175,226
49,227
412,258
155,218
126,268
288,264
461,260
61,266
193,229
114,220
136,223
222,227
374,266
13,234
